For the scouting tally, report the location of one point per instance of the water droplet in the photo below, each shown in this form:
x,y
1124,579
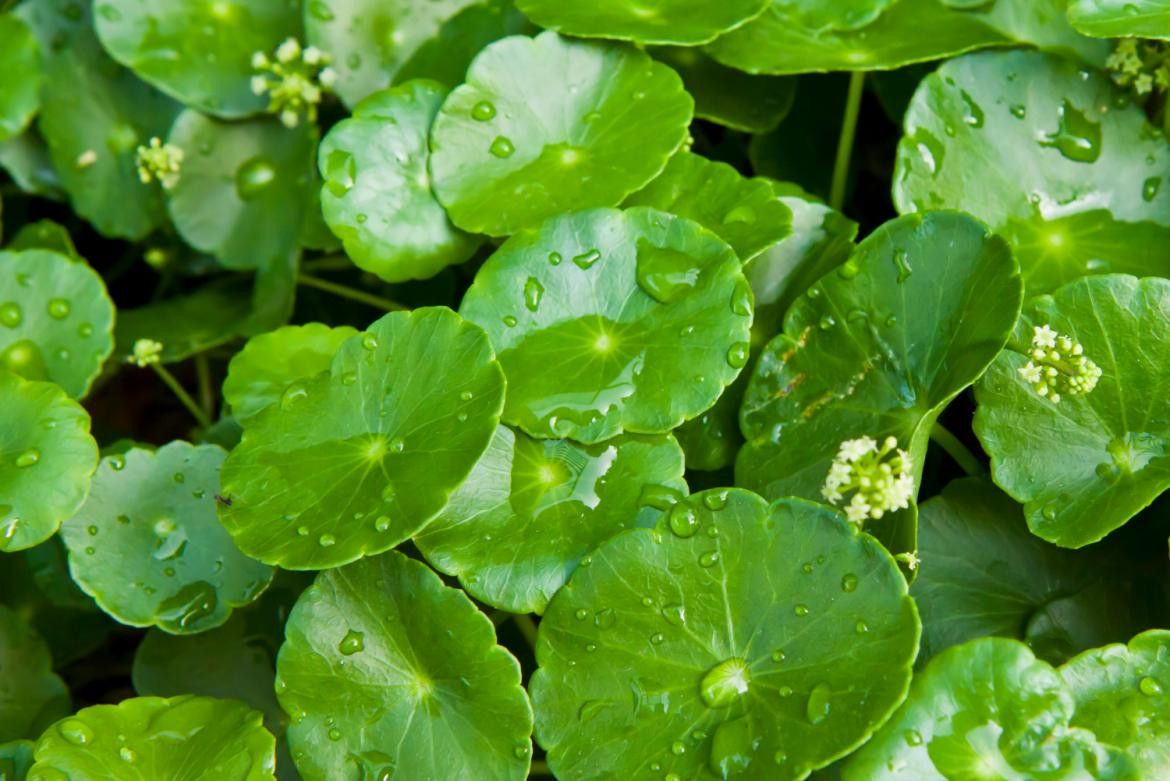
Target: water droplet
x,y
1078,138
1149,686
501,147
913,738
353,642
1049,511
76,732
354,61
737,355
382,523
483,111
326,540
675,615
369,342
303,531
678,748
849,582
533,291
715,500
683,520
827,322
973,115
725,683
800,611
819,700
741,299
319,9
30,457
657,638
254,177
902,263
335,734
85,330
189,605
1018,110
1150,188
663,273
586,259
784,691
590,647
554,258
604,618
127,754
10,314
581,614
743,214
861,627
709,559
521,751
660,497
778,656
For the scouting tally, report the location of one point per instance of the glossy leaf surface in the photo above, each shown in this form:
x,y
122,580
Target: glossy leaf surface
x,y
20,64
1117,19
687,22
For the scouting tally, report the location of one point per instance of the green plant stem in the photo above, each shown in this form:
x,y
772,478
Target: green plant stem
x,y
527,627
181,393
539,768
956,450
328,263
206,394
348,292
845,141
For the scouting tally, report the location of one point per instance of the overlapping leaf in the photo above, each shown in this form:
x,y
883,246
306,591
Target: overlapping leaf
x,y
20,64
687,22
408,695
1052,156
609,321
729,97
549,125
531,509
31,695
714,646
1118,19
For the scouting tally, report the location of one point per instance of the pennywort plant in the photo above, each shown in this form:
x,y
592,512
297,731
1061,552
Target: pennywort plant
x,y
476,390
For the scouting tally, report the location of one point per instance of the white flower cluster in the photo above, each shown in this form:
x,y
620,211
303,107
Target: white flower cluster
x,y
877,474
294,80
160,162
1058,366
145,353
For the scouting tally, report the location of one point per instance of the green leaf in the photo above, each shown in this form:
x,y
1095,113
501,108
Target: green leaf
x,y
31,695
244,189
1113,440
408,695
94,116
987,709
47,458
371,39
719,648
531,509
832,15
729,97
908,31
1051,156
44,234
20,64
26,159
444,57
259,374
197,52
743,212
878,348
687,22
55,319
609,321
16,757
1117,19
377,190
1120,694
548,125
151,739
983,573
353,462
147,545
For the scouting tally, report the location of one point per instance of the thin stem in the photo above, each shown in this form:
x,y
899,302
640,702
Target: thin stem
x,y
328,263
956,450
206,394
527,627
181,394
845,141
348,292
539,768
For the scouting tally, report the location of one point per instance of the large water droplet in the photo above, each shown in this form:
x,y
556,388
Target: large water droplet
x,y
725,683
292,394
353,642
24,357
604,618
849,582
675,615
30,457
1149,687
586,259
1078,138
902,263
502,147
59,308
253,177
973,115
1150,188
732,746
76,732
683,520
819,700
483,111
665,274
533,291
340,172
189,605
10,314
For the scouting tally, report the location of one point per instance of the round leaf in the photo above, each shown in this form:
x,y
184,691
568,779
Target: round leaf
x,y
243,192
20,64
16,757
197,52
1118,19
1051,156
548,125
1120,694
47,458
258,374
1113,440
371,39
986,709
151,739
147,545
743,212
31,695
531,509
377,190
782,40
94,116
355,461
55,319
609,321
445,56
418,687
717,647
878,348
686,22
